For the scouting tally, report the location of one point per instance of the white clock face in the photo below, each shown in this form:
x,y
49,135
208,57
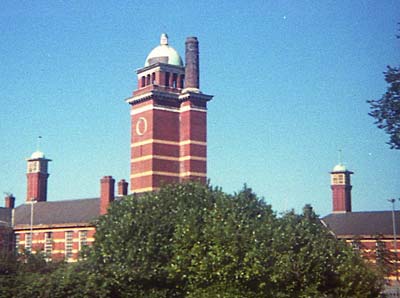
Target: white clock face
x,y
141,126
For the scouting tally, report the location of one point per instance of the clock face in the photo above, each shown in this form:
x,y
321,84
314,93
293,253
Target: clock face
x,y
141,126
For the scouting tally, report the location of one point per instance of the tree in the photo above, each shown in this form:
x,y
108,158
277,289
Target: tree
x,y
21,274
192,241
386,110
184,239
310,262
384,257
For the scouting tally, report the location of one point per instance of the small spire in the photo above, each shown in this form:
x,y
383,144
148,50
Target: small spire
x,y
340,156
164,39
38,143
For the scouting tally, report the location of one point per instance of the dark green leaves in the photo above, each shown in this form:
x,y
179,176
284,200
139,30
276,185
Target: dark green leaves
x,y
193,241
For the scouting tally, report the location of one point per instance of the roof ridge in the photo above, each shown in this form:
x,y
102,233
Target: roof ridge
x,y
61,201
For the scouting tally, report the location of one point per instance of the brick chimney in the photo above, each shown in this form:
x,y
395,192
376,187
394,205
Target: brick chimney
x,y
122,187
192,76
9,201
106,193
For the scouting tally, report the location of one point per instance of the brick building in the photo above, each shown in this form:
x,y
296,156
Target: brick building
x,y
370,232
168,144
60,229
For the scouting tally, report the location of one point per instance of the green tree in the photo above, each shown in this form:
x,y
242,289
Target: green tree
x,y
229,251
310,262
8,271
386,110
21,274
193,241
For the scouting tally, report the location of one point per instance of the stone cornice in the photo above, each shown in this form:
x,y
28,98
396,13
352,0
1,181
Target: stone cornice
x,y
152,94
160,65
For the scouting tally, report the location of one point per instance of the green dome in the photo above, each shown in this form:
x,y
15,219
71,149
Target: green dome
x,y
164,53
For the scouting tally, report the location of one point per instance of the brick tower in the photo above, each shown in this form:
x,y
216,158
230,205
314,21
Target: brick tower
x,y
341,189
168,119
37,174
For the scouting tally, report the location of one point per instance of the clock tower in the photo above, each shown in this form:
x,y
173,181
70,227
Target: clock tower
x,y
37,174
168,119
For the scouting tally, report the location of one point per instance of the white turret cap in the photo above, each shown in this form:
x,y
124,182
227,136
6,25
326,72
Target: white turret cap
x,y
339,168
164,53
37,154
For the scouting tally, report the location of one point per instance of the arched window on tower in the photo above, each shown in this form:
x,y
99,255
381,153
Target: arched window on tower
x,y
174,80
153,78
181,81
148,80
167,79
143,81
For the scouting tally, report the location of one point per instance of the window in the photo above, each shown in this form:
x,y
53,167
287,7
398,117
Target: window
x,y
174,80
28,242
338,179
356,244
153,78
33,166
167,79
148,80
68,244
83,239
143,82
48,244
17,239
43,167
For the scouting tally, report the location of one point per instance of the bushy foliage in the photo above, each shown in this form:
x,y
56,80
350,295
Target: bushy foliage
x,y
386,110
20,275
312,263
191,241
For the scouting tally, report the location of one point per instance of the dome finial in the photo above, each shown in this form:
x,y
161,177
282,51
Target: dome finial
x,y
340,167
38,143
164,39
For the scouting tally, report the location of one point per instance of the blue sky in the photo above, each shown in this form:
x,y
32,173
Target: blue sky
x,y
290,80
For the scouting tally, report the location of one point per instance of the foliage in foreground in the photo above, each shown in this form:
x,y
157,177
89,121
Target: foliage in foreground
x,y
386,110
193,241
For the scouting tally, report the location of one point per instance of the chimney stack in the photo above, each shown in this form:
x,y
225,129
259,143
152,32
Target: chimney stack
x,y
192,77
106,193
122,187
9,201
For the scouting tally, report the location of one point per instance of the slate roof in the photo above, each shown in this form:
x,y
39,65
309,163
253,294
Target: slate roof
x,y
371,223
5,216
82,211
